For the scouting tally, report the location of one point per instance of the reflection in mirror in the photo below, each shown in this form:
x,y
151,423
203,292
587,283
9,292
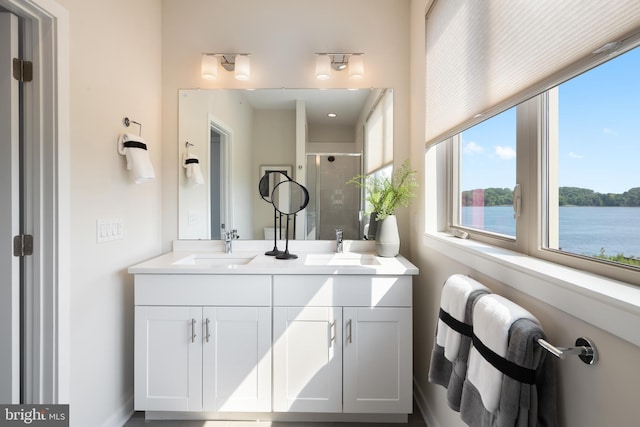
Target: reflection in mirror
x,y
280,127
268,182
289,198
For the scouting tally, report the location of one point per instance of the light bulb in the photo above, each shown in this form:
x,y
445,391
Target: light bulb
x,y
243,67
323,67
209,67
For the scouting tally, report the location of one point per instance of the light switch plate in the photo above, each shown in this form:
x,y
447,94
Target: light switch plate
x,y
109,229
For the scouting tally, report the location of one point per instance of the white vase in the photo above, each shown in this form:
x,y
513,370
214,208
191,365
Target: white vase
x,y
387,237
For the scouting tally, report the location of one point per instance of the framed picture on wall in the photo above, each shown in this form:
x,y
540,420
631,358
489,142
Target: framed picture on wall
x,y
285,169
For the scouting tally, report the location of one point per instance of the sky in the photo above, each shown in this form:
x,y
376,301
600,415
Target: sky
x,y
599,134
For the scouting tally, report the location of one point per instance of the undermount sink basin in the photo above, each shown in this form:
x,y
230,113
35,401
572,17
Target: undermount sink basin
x,y
214,259
341,259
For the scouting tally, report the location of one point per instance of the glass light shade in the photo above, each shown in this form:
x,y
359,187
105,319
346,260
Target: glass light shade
x,y
209,67
243,67
356,67
323,67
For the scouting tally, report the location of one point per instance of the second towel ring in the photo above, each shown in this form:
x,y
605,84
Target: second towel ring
x,y
128,122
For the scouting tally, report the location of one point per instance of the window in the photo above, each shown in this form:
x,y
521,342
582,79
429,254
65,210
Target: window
x,y
487,175
578,148
596,153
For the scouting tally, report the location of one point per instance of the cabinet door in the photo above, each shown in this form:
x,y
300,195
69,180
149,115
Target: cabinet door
x,y
236,359
307,359
168,358
377,360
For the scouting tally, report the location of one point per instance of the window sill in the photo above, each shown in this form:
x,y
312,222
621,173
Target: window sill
x,y
608,304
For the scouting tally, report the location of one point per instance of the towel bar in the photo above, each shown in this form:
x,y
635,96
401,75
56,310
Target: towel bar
x,y
584,348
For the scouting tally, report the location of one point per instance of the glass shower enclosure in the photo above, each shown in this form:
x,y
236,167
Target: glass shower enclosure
x,y
332,202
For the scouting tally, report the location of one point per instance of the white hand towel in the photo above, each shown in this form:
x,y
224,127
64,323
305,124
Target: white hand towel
x,y
493,316
138,160
453,300
193,170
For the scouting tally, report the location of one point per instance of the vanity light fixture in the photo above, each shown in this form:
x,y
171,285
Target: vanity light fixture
x,y
238,62
325,61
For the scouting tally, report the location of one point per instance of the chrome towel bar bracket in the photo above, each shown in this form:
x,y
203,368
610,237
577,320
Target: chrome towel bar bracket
x,y
585,349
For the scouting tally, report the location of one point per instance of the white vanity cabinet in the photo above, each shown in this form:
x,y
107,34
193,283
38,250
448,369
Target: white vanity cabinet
x,y
342,344
203,343
307,359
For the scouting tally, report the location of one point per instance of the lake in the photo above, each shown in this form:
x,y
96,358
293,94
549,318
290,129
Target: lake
x,y
583,229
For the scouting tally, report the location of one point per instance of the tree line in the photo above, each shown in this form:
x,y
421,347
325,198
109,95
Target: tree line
x,y
568,196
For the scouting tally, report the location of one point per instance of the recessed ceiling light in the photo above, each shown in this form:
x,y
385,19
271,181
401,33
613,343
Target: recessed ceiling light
x,y
332,115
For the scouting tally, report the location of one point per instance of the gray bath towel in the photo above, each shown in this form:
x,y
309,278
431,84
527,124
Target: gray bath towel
x,y
449,374
521,405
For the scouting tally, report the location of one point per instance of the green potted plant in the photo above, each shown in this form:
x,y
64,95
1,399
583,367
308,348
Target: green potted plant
x,y
386,194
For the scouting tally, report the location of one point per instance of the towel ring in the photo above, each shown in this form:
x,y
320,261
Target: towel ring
x,y
585,349
128,122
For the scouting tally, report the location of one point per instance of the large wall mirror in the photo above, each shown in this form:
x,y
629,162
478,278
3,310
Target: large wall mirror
x,y
320,138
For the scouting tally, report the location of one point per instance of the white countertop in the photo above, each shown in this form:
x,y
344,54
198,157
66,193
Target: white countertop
x,y
209,258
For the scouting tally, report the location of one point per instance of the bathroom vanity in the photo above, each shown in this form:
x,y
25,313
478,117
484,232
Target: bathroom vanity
x,y
241,335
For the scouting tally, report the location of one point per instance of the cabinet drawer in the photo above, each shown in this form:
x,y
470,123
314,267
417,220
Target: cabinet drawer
x,y
178,289
345,290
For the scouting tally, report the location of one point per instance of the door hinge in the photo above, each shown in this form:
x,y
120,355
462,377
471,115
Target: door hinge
x,y
23,245
22,70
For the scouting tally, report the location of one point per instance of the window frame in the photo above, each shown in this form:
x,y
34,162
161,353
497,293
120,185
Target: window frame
x,y
536,150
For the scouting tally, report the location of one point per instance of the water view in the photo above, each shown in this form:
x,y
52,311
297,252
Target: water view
x,y
584,230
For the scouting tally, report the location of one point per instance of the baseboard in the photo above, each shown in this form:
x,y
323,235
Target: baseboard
x,y
122,415
421,401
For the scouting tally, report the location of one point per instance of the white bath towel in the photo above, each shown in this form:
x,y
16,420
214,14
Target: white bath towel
x,y
448,365
191,163
453,300
493,317
136,150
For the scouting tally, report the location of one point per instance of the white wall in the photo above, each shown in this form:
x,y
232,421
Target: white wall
x,y
115,72
590,396
282,37
230,111
274,143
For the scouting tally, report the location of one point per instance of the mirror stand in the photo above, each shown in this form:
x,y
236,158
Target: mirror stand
x,y
275,251
286,254
289,198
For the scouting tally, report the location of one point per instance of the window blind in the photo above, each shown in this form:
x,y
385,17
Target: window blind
x,y
483,57
379,135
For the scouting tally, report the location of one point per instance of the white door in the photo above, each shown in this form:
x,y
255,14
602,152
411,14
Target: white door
x,y
168,358
236,359
307,359
377,360
9,214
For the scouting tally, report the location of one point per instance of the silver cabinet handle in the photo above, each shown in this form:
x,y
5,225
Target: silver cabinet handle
x,y
206,326
331,331
193,330
349,338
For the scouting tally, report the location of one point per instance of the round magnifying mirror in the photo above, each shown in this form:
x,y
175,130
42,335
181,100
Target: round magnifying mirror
x,y
265,187
269,181
289,198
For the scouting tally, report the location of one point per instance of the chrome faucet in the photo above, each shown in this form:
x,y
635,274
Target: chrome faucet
x,y
229,236
339,248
